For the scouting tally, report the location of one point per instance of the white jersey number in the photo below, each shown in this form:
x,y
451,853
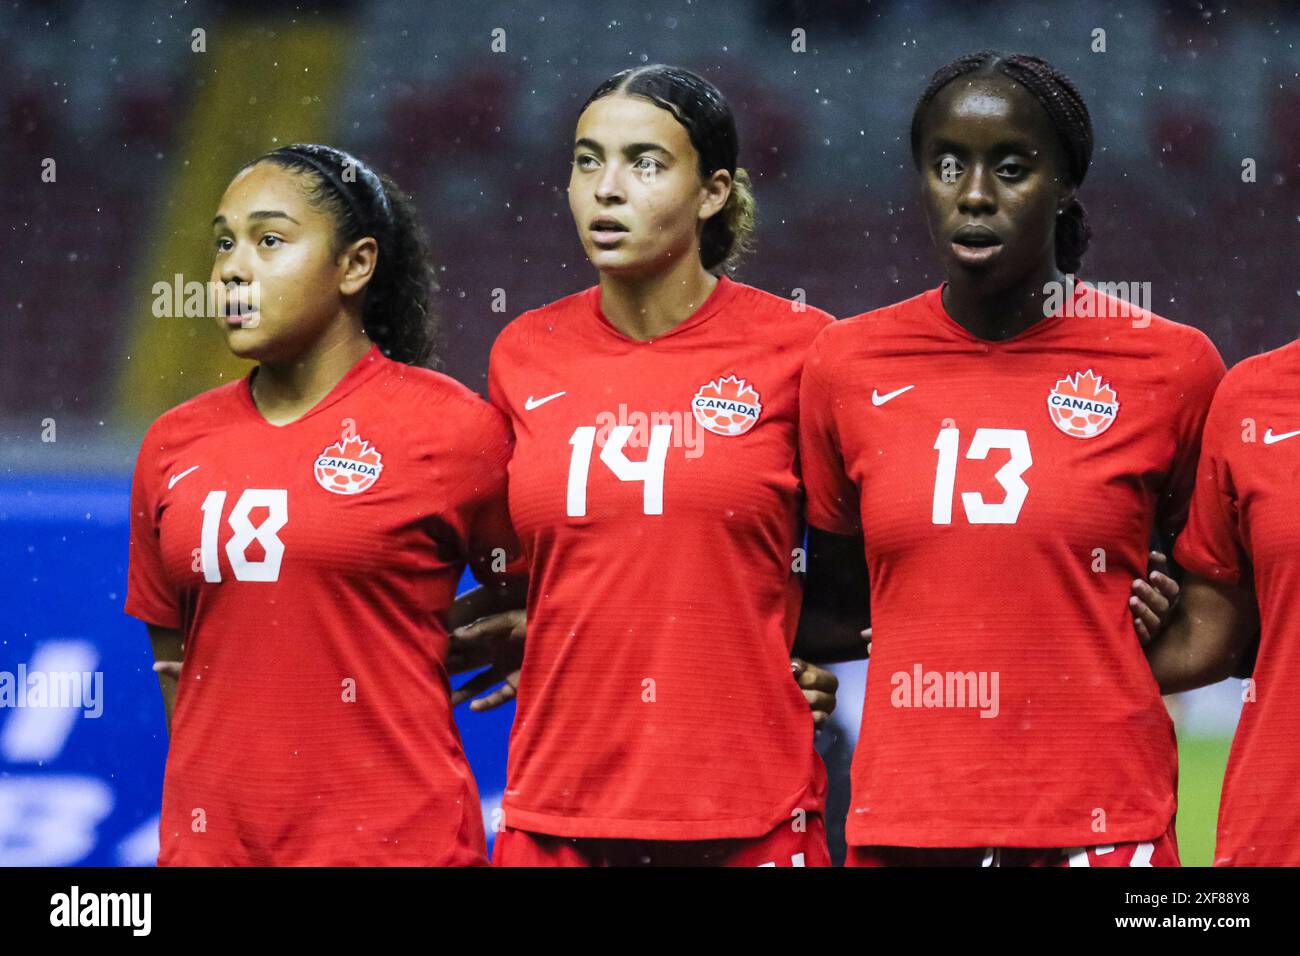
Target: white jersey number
x,y
650,471
276,502
979,511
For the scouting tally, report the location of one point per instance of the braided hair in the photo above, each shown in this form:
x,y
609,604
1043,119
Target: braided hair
x,y
1065,107
700,107
397,315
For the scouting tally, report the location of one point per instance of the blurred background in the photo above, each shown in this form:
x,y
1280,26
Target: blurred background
x,y
123,121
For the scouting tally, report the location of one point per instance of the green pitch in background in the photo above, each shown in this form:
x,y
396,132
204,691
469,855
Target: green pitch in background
x,y
1201,762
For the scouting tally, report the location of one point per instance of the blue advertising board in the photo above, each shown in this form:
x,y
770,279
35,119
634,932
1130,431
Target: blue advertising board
x,y
81,761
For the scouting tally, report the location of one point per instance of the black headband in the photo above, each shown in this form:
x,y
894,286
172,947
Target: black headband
x,y
331,176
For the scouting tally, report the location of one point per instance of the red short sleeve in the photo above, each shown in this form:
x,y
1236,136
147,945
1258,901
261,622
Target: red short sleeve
x,y
1211,544
1202,374
832,498
149,594
481,511
496,359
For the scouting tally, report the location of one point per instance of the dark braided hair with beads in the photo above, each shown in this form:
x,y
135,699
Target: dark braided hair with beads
x,y
1064,105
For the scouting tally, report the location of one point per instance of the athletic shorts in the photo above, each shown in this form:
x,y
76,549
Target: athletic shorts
x,y
783,846
1160,852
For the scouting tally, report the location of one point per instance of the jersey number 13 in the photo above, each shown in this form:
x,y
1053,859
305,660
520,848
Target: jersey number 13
x,y
979,511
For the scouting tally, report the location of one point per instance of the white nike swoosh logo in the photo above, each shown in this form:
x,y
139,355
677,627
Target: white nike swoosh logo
x,y
530,403
1270,438
175,478
878,399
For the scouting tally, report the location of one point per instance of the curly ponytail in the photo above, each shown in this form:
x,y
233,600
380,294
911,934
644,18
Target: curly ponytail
x,y
729,235
398,314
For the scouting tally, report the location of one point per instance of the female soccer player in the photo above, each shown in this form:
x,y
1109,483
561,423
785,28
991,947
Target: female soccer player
x,y
302,532
342,267
1005,457
1241,550
655,489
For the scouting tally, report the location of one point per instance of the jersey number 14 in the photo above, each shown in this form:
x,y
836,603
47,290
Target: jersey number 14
x,y
650,471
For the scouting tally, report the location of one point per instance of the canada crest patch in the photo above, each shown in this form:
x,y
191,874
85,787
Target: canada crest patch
x,y
727,406
349,466
1083,405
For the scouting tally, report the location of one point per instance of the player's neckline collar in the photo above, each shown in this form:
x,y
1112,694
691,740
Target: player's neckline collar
x,y
721,294
934,299
361,370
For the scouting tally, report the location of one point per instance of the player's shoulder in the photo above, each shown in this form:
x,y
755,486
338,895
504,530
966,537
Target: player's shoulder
x,y
1161,335
535,325
1266,371
1267,366
422,394
897,316
1174,336
198,415
791,317
1198,367
858,334
424,384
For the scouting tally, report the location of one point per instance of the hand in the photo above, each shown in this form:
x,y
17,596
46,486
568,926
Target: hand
x,y
866,636
170,669
497,642
818,688
1153,601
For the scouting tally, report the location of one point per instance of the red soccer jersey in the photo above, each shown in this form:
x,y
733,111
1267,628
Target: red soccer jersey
x,y
310,568
655,489
1244,529
1006,491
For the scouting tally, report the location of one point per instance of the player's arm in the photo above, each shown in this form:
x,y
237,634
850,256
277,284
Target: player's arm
x,y
835,618
1211,631
1210,621
168,651
487,626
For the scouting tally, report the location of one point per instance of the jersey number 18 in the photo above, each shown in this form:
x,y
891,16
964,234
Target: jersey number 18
x,y
276,503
